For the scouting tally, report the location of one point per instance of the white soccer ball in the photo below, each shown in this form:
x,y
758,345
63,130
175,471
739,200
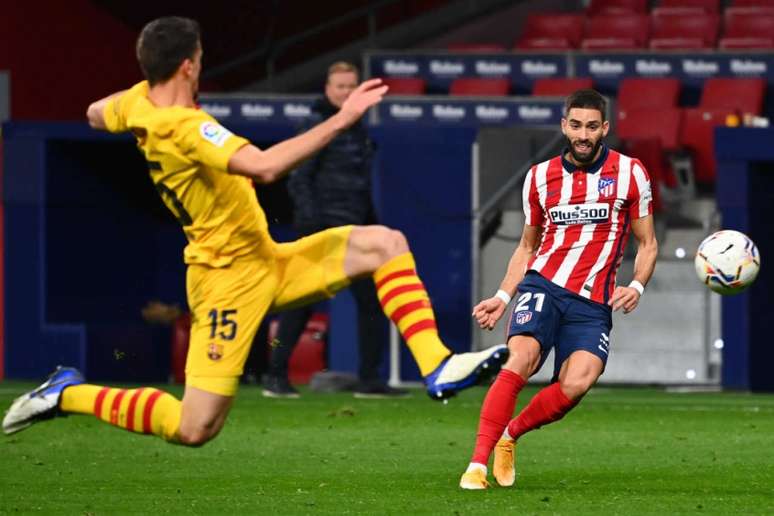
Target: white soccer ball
x,y
727,262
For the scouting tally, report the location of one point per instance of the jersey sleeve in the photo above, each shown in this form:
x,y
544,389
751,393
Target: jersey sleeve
x,y
533,211
641,202
117,109
206,141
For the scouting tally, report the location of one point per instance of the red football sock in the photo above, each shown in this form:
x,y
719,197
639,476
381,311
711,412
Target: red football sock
x,y
547,406
496,410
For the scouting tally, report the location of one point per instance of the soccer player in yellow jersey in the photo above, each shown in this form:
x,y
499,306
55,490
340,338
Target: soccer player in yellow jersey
x,y
236,272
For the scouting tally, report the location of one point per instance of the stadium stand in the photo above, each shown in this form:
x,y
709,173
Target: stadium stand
x,y
709,6
684,31
549,87
544,31
660,123
616,31
742,95
475,47
405,85
748,28
477,86
648,93
617,6
698,137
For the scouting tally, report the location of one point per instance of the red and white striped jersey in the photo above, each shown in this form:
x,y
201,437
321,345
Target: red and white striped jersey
x,y
585,215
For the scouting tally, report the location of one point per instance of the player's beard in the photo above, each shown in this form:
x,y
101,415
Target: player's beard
x,y
587,158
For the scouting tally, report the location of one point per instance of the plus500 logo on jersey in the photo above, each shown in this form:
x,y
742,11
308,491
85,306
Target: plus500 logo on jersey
x,y
593,213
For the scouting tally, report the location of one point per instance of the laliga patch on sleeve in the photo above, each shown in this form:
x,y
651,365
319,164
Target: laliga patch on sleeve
x,y
214,133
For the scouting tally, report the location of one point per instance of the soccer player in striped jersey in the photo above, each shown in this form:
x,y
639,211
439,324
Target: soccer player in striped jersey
x,y
236,272
580,207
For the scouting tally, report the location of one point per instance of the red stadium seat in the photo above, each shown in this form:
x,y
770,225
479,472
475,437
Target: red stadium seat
x,y
660,123
692,31
308,356
476,47
648,93
617,6
697,135
614,31
543,31
405,85
650,153
742,95
708,6
560,87
746,28
752,3
478,86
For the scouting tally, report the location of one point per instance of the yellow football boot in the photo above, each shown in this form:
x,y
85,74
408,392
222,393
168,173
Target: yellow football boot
x,y
503,467
475,479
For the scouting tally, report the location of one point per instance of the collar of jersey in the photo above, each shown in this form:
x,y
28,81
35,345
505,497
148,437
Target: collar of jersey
x,y
591,169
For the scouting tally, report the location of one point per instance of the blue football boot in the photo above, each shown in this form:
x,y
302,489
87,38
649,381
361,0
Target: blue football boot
x,y
42,402
463,370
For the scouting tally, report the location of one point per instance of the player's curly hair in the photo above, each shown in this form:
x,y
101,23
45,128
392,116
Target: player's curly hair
x,y
164,44
586,99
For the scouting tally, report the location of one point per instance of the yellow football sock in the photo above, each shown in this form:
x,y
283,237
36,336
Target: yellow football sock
x,y
144,410
405,301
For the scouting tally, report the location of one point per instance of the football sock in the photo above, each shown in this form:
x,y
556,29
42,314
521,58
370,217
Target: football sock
x,y
548,405
473,466
145,410
496,411
405,301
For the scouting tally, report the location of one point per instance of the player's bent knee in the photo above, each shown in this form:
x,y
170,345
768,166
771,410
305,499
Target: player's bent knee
x,y
393,242
576,387
196,436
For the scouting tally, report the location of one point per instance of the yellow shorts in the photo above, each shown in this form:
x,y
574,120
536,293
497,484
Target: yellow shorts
x,y
227,304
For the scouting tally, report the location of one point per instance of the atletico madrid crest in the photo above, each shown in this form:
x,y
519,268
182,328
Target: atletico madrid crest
x,y
606,187
523,317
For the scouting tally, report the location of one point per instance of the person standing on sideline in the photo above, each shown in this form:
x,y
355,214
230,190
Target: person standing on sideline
x,y
580,207
236,273
334,189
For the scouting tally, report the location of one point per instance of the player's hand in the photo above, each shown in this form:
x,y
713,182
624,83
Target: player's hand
x,y
363,97
488,312
624,297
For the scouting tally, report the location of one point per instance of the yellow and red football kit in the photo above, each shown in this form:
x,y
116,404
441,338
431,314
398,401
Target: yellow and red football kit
x,y
236,272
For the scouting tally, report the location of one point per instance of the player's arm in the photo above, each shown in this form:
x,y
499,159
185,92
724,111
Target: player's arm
x,y
644,265
489,311
95,113
266,166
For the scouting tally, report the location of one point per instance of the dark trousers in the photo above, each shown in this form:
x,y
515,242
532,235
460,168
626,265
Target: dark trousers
x,y
370,325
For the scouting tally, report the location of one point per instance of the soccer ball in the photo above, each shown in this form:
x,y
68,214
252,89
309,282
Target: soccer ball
x,y
727,262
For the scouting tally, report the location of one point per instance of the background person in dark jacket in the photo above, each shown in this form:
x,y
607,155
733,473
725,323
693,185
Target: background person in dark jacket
x,y
334,189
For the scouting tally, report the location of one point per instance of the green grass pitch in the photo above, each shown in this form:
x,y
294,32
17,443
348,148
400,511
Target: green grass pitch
x,y
622,451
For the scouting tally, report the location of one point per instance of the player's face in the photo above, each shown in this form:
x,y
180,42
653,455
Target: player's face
x,y
339,86
584,130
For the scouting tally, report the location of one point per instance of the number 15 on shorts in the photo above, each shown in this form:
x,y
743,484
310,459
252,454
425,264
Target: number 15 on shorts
x,y
222,324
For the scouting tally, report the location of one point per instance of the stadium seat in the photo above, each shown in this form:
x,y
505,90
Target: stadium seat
x,y
745,28
560,87
698,136
617,6
682,32
616,31
478,86
652,157
405,85
643,123
308,356
707,6
752,3
476,47
743,95
544,31
648,93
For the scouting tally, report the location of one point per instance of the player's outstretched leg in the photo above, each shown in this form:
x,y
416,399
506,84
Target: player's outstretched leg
x,y
385,253
147,410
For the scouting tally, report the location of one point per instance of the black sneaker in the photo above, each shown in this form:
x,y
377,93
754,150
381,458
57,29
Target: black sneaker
x,y
278,387
379,391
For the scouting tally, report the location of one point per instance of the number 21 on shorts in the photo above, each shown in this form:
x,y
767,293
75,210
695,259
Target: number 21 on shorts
x,y
524,299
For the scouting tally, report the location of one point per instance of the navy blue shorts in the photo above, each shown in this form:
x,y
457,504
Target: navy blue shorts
x,y
560,319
